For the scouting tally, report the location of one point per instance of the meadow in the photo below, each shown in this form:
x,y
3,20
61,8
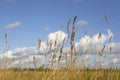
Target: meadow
x,y
71,74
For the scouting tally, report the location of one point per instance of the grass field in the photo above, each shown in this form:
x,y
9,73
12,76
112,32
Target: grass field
x,y
103,74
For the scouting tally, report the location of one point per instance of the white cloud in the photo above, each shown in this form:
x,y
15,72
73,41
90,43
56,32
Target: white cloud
x,y
115,60
82,23
88,46
58,36
13,25
110,34
87,56
94,44
24,56
115,47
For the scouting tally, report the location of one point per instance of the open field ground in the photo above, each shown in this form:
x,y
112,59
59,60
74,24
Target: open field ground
x,y
60,74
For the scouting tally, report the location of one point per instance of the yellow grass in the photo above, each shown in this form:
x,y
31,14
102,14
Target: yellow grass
x,y
70,74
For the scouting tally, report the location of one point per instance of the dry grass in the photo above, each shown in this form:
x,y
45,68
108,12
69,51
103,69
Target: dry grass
x,y
60,75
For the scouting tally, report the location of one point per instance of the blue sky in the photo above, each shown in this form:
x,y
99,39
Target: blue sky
x,y
27,20
38,18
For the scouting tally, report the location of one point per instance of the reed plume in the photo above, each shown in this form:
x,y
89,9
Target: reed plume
x,y
99,35
110,39
72,37
106,20
39,43
110,49
102,50
6,41
6,37
50,44
53,58
68,27
56,40
35,60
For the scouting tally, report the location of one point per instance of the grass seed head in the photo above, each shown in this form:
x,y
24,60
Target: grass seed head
x,y
74,21
106,20
99,35
68,28
39,43
110,49
59,58
6,37
110,39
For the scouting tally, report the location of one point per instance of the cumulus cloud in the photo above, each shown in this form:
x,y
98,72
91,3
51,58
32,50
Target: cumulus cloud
x,y
13,25
94,44
87,49
24,56
116,60
87,56
115,47
56,38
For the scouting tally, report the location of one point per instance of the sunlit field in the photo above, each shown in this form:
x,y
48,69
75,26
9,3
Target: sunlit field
x,y
102,74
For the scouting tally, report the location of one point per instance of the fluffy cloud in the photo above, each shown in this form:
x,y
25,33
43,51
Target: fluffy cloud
x,y
87,49
13,25
24,56
56,38
115,47
94,44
